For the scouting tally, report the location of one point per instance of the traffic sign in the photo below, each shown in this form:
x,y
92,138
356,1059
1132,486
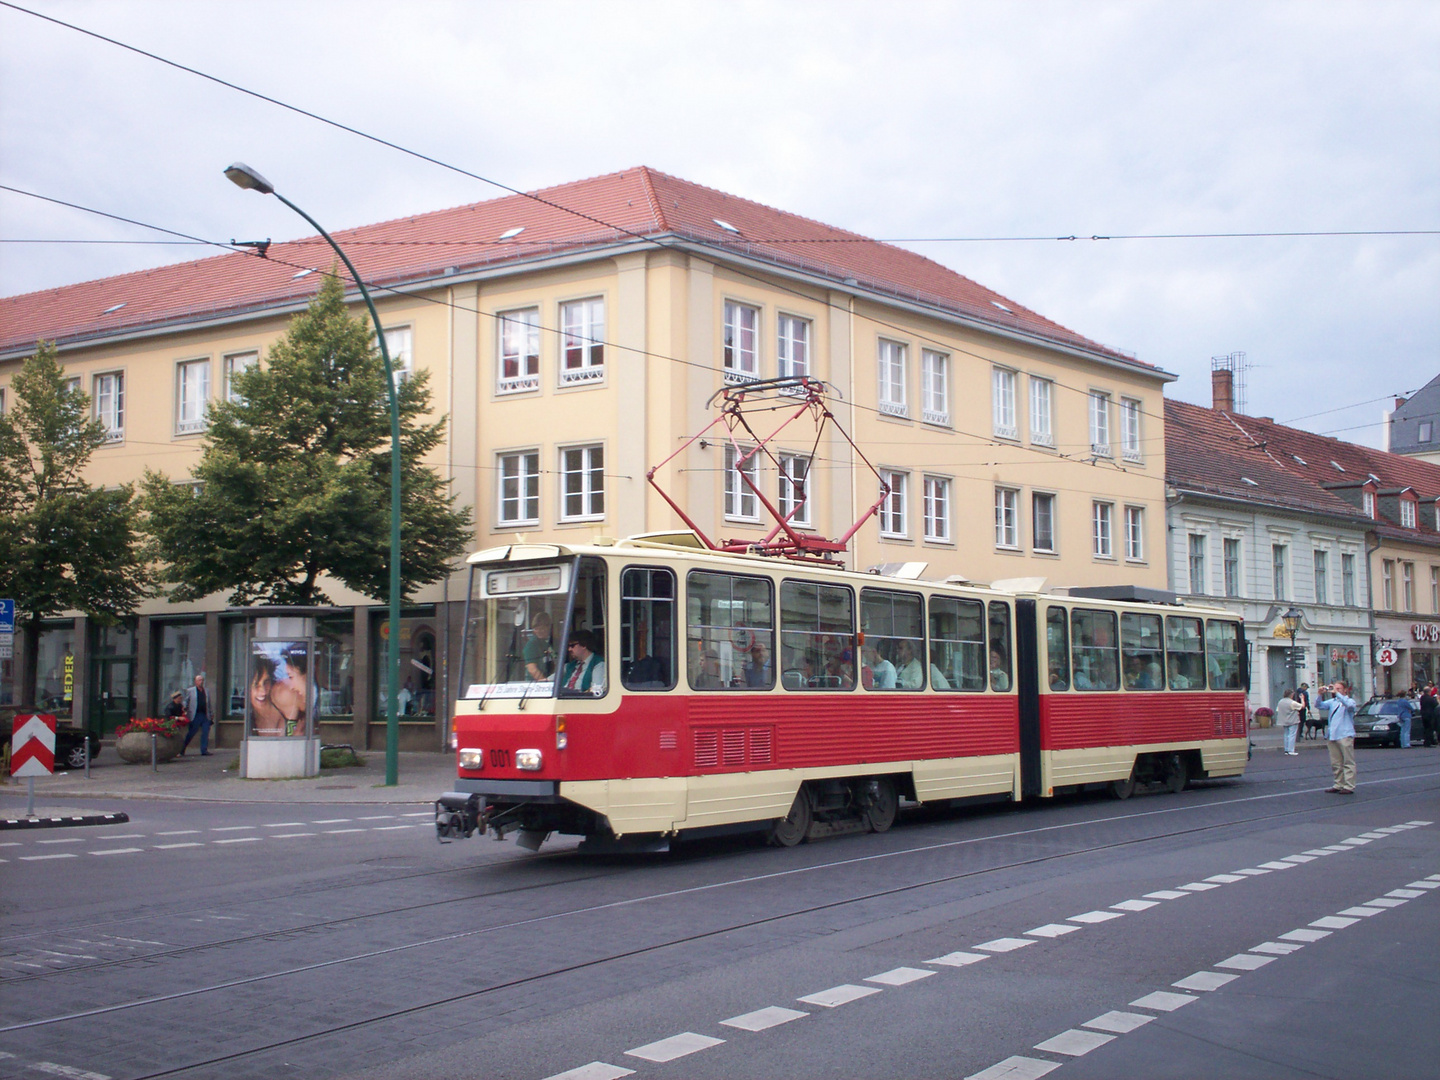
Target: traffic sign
x,y
7,616
1387,656
32,747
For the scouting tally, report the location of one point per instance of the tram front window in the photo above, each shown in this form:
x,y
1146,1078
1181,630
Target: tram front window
x,y
515,633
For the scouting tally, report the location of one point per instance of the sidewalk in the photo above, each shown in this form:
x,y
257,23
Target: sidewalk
x,y
1273,738
422,776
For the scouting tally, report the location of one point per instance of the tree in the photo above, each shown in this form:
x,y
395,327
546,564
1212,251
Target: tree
x,y
294,481
64,545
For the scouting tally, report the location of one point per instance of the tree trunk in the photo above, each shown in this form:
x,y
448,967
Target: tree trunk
x,y
29,663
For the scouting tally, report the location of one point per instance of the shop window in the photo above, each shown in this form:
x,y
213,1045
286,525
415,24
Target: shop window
x,y
417,640
179,657
55,670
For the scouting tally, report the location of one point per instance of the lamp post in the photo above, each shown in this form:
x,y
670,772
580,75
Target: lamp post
x,y
1293,618
243,176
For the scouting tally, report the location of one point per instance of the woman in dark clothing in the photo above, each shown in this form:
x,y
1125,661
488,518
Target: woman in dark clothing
x,y
1430,715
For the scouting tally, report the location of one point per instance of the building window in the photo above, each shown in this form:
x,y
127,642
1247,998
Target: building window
x,y
1367,503
1426,431
1347,580
1042,520
792,346
1407,585
1135,533
234,365
1197,564
1435,589
1407,514
742,342
582,341
1278,557
519,350
1322,577
192,395
892,378
1130,429
1042,430
794,491
109,394
1387,584
1099,423
399,343
1002,403
937,509
893,509
72,384
935,387
1232,567
520,488
1007,518
2,401
740,501
582,480
1101,531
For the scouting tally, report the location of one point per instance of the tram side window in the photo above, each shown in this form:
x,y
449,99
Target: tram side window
x,y
957,644
1185,651
1057,647
999,647
1222,647
729,631
1142,651
893,656
817,636
1095,650
647,628
587,677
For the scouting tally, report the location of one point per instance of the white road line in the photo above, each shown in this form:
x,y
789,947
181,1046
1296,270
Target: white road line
x,y
1305,935
69,1071
1120,1023
1298,858
1016,1068
899,976
333,832
1432,877
376,817
839,995
282,825
1278,864
290,835
1204,980
10,843
1276,948
1163,1001
677,1046
1096,916
1319,852
1423,885
1074,1043
1004,944
596,1070
65,840
1253,871
958,959
1418,824
1135,905
1199,886
331,821
232,828
1049,930
1333,922
1360,911
168,847
1406,894
57,855
121,836
763,1019
1225,879
239,840
1245,962
1335,849
1165,894
1391,829
179,832
388,828
1378,835
420,813
116,851
1385,901
1354,841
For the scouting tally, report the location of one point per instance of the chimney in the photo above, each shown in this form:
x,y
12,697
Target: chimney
x,y
1222,389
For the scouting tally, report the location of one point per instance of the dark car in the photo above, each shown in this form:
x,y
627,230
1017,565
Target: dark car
x,y
1379,722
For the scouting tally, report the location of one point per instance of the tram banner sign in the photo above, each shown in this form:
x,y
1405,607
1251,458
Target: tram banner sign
x,y
1386,657
32,747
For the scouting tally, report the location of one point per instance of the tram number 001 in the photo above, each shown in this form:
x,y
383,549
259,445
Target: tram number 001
x,y
499,759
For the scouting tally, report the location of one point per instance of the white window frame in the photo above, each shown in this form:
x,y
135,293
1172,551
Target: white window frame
x,y
1002,403
741,503
891,360
1387,584
935,387
1197,556
107,395
1007,518
2,400
792,345
1035,516
794,493
72,385
895,511
1407,586
741,364
1100,424
522,469
582,333
1102,529
235,363
192,402
582,475
1347,578
1042,411
937,509
1130,444
400,344
1407,514
1320,571
1435,590
1239,566
517,338
1134,534
1367,503
1280,571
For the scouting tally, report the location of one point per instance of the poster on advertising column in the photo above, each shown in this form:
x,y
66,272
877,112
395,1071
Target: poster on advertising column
x,y
279,690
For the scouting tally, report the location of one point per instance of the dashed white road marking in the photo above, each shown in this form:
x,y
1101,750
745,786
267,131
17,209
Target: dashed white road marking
x,y
376,817
1120,1023
1005,944
764,1019
1253,871
676,1046
1165,894
1276,948
117,851
1385,901
56,855
1360,911
1335,848
388,828
1095,916
331,821
1354,841
333,832
1423,885
420,813
839,995
958,959
240,840
188,843
179,832
1203,980
1049,930
1379,834
1319,853
1163,1001
283,825
289,835
1305,935
62,840
1278,864
122,836
899,976
1199,886
69,1071
1297,859
1225,879
1016,1068
1407,894
1074,1043
1334,922
596,1070
232,828
1135,905
10,843
1245,962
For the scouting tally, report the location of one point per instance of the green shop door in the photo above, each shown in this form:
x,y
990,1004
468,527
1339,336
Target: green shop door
x,y
112,694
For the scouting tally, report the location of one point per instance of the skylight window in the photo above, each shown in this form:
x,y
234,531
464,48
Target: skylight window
x,y
302,273
1247,480
510,234
726,225
1338,466
1003,307
114,307
1300,459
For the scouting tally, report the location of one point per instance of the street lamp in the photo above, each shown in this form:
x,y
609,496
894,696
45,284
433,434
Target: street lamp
x,y
1293,618
243,176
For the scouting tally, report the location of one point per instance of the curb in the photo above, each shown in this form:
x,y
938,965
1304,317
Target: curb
x,y
63,822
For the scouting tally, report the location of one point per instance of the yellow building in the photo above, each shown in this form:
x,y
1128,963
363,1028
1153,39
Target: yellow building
x,y
574,339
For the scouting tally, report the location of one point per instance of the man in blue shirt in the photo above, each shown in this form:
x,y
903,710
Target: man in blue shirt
x,y
1341,736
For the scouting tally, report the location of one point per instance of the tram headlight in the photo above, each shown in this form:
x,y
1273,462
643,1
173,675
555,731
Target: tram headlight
x,y
472,757
529,760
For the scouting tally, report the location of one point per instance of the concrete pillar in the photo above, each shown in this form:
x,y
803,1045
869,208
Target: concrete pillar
x,y
364,695
144,674
80,649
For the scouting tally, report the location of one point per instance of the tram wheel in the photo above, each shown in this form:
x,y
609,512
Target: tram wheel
x,y
882,804
1123,789
794,826
1177,774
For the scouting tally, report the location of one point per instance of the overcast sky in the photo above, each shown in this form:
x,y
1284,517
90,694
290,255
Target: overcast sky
x,y
897,120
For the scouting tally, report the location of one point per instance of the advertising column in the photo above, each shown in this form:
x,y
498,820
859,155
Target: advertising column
x,y
280,734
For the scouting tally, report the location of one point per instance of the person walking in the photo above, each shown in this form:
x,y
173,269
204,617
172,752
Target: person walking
x,y
1287,715
1302,698
1407,718
1430,715
1341,736
199,709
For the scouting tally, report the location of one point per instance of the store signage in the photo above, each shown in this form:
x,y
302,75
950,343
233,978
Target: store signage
x,y
69,683
1426,632
1339,655
1387,657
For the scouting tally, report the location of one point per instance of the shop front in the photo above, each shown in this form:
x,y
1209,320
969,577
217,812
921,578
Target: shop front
x,y
1416,643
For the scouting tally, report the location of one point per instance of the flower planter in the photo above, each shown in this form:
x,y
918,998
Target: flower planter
x,y
135,747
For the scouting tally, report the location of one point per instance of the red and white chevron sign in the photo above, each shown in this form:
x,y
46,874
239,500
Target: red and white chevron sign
x,y
32,747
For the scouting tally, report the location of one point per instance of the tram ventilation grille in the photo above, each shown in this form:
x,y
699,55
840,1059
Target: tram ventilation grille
x,y
733,747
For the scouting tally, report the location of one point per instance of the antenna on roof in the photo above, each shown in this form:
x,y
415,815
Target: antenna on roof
x,y
1227,382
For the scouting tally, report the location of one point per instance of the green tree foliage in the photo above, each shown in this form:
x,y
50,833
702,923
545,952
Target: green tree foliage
x,y
294,483
64,545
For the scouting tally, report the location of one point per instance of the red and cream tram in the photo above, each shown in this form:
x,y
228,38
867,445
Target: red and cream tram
x,y
637,690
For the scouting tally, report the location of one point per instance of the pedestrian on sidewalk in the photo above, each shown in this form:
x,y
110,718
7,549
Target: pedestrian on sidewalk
x,y
1341,736
1302,697
1407,718
1287,715
1430,715
199,709
176,709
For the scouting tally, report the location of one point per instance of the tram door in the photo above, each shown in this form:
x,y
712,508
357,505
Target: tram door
x,y
1027,664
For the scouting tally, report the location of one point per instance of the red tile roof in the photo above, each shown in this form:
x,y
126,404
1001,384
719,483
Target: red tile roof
x,y
583,214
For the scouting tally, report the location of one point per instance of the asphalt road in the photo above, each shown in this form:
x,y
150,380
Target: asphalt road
x,y
202,940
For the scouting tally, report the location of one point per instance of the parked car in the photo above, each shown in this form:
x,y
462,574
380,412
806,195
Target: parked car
x,y
69,743
1379,722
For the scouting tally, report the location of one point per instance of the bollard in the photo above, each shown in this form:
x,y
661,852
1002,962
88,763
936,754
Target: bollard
x,y
154,762
30,807
87,755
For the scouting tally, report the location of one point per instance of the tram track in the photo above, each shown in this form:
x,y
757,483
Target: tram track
x,y
612,957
